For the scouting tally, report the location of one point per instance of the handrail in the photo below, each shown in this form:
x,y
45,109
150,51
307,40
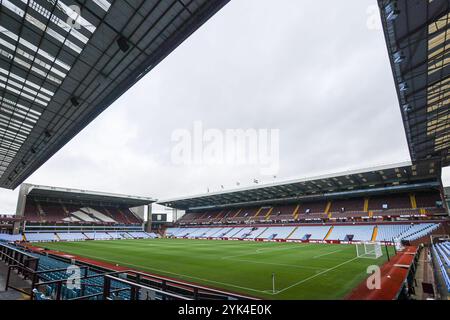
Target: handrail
x,y
58,270
10,258
23,252
109,275
133,284
184,284
73,278
29,272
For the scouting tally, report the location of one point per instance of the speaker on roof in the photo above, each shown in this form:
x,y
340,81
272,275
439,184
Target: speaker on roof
x,y
123,44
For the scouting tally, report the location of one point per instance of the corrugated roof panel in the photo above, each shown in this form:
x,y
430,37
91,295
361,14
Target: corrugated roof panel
x,y
63,62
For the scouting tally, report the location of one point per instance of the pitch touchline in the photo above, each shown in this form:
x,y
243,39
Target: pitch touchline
x,y
316,275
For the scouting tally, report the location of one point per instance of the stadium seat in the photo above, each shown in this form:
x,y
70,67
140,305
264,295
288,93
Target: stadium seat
x,y
40,237
352,233
313,232
73,236
442,258
43,212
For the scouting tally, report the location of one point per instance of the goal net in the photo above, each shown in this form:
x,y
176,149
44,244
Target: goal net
x,y
370,250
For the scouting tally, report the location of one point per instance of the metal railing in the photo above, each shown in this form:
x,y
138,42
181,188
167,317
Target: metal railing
x,y
140,285
23,262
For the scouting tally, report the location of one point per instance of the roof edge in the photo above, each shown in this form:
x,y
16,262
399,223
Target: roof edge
x,y
290,181
87,192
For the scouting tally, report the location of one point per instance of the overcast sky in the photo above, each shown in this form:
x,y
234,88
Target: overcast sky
x,y
312,69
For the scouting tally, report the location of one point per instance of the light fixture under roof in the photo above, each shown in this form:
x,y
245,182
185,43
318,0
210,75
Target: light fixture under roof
x,y
407,108
123,44
403,86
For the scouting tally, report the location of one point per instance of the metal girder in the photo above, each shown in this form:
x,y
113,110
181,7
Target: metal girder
x,y
59,69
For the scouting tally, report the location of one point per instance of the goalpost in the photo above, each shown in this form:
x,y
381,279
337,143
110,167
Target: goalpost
x,y
370,250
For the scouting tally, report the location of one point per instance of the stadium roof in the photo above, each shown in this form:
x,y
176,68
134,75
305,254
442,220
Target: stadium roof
x,y
60,67
75,195
417,37
399,176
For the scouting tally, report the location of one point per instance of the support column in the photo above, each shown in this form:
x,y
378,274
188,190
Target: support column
x,y
148,223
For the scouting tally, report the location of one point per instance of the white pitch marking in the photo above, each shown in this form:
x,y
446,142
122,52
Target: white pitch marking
x,y
280,249
178,274
316,275
260,250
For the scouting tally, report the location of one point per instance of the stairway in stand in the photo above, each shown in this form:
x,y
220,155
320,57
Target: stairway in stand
x,y
292,232
328,233
374,234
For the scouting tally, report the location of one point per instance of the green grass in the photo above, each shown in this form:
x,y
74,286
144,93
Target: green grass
x,y
302,271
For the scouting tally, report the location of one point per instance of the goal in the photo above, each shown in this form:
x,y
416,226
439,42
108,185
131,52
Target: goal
x,y
370,250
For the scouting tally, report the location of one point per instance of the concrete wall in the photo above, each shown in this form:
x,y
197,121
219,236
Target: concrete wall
x,y
23,192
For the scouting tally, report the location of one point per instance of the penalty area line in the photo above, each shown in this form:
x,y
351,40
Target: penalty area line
x,y
316,275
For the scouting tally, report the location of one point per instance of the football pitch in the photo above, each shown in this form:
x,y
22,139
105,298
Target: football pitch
x,y
302,271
